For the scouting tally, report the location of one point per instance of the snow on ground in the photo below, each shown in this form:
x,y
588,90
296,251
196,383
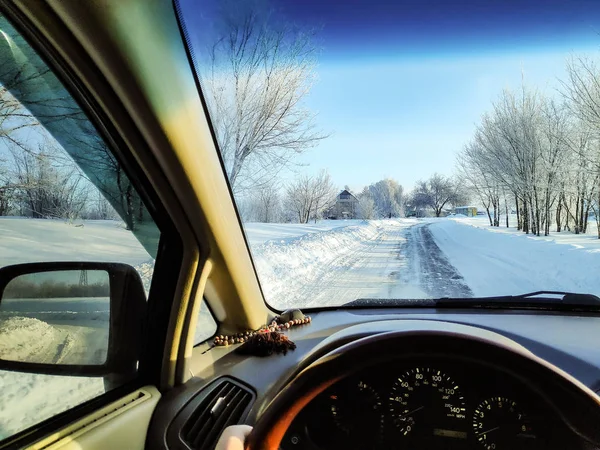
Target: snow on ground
x,y
259,233
418,258
328,263
26,399
27,240
42,240
588,240
363,260
501,261
38,397
27,339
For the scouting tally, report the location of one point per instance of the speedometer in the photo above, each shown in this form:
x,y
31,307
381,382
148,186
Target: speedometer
x,y
427,401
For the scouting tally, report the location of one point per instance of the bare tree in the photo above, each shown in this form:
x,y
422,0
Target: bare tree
x,y
29,92
554,132
98,208
105,171
508,145
579,178
582,89
479,179
581,191
298,198
436,193
309,196
260,74
44,189
262,205
322,193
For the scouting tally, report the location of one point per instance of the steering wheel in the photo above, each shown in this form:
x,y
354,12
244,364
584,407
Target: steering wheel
x,y
576,404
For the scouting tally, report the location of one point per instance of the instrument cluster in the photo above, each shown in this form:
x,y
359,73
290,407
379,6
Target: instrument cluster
x,y
429,405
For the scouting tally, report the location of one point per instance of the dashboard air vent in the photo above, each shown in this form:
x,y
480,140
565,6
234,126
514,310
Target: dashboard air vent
x,y
223,406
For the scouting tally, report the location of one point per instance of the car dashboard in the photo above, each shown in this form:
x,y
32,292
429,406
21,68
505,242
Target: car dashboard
x,y
429,403
414,402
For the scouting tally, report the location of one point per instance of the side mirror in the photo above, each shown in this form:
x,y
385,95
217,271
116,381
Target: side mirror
x,y
71,318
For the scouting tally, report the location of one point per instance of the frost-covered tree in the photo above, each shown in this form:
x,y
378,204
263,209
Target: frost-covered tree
x,y
388,198
309,196
366,205
261,71
581,89
261,205
436,193
478,178
44,188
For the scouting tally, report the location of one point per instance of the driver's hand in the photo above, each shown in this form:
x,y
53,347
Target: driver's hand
x,y
233,437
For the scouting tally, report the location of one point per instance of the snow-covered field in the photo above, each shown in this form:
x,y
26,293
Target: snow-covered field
x,y
28,240
328,263
28,398
505,261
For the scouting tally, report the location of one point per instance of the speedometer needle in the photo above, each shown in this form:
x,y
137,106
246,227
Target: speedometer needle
x,y
488,431
411,412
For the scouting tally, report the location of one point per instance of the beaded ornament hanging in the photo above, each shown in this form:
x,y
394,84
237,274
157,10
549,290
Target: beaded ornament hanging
x,y
268,339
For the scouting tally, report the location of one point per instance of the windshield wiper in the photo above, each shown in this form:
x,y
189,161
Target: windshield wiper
x,y
531,300
544,300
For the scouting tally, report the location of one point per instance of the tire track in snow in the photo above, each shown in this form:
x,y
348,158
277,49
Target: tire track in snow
x,y
318,291
367,271
429,267
400,261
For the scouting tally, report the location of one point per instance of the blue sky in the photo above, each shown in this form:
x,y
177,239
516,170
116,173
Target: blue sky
x,y
407,119
402,83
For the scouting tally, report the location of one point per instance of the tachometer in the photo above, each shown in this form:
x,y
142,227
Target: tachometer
x,y
355,408
427,401
500,424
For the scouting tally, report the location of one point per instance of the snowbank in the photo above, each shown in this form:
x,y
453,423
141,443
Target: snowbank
x,y
145,270
287,265
483,222
29,398
26,339
259,233
501,261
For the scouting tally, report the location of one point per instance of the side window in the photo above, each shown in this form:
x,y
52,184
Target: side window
x,y
206,326
63,197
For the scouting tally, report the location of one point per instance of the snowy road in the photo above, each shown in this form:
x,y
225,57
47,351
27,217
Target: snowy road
x,y
429,267
391,259
428,258
369,270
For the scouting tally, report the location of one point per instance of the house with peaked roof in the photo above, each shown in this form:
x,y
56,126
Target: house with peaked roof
x,y
345,206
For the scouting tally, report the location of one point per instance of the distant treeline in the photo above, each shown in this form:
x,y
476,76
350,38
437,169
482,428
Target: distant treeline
x,y
20,288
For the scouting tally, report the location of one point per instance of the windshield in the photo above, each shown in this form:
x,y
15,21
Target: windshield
x,y
407,149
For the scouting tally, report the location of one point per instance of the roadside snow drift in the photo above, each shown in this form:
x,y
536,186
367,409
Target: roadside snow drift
x,y
27,339
500,261
286,265
259,233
